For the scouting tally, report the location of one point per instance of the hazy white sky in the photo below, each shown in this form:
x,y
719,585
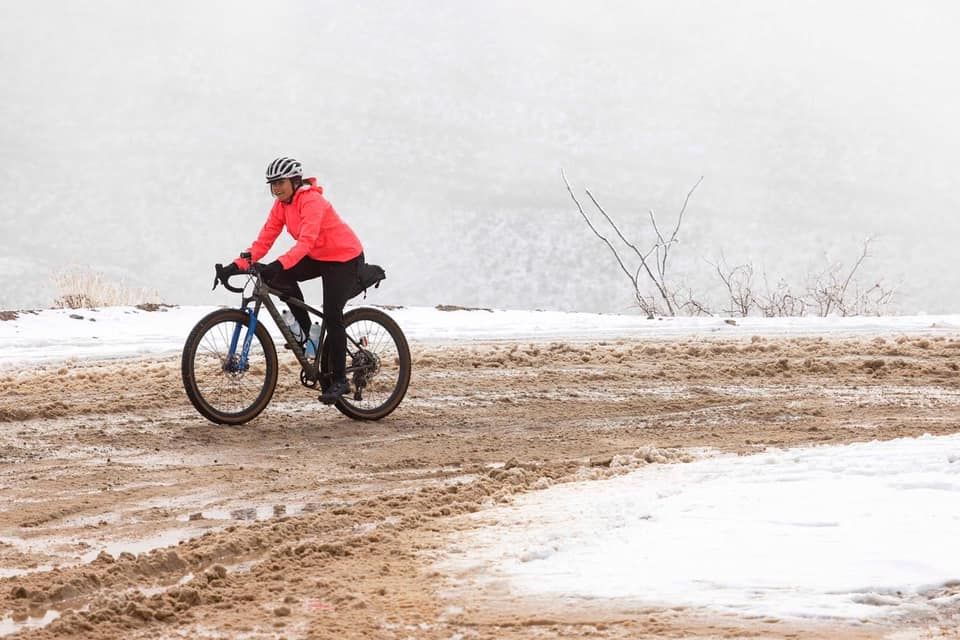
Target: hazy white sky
x,y
133,138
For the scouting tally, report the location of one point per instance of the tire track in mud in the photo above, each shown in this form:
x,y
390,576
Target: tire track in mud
x,y
307,524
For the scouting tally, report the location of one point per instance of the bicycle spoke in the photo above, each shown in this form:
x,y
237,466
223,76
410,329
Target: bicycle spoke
x,y
220,381
374,339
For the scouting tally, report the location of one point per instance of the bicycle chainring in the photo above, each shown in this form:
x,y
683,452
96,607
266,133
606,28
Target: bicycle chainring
x,y
307,381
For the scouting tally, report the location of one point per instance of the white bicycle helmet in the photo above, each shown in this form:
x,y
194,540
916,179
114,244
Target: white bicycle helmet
x,y
284,168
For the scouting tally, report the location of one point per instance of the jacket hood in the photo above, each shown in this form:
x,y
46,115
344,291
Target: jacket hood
x,y
310,184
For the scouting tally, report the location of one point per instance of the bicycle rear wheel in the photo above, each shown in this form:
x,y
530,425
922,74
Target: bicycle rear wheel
x,y
378,369
223,387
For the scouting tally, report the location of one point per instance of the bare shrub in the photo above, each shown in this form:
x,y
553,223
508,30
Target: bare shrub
x,y
83,288
738,282
780,301
666,297
834,290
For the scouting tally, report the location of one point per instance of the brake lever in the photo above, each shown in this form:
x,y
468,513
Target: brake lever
x,y
217,276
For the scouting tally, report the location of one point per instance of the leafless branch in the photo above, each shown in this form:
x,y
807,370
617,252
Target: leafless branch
x,y
643,263
676,228
856,266
586,218
833,289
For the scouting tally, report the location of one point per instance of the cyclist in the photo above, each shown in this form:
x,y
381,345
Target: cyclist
x,y
326,247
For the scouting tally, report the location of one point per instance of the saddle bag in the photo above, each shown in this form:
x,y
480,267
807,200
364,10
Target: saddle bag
x,y
368,275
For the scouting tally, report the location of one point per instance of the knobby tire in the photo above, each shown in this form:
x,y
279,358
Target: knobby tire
x,y
209,387
389,385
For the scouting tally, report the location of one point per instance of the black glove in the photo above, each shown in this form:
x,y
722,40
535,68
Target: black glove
x,y
230,270
223,273
271,271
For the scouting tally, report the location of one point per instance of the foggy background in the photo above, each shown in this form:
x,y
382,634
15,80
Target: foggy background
x,y
134,137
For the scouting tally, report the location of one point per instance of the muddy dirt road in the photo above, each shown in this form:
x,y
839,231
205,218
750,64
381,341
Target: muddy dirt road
x,y
123,514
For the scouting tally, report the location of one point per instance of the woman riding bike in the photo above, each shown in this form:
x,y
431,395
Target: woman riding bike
x,y
326,247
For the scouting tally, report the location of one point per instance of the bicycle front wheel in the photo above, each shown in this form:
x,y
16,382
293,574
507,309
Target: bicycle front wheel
x,y
378,364
223,386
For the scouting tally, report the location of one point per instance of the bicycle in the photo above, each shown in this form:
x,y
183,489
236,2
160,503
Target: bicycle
x,y
229,363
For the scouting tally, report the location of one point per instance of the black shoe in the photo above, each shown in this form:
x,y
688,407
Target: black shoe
x,y
334,391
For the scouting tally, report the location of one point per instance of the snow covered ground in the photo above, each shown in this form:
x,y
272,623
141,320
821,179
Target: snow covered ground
x,y
859,531
59,334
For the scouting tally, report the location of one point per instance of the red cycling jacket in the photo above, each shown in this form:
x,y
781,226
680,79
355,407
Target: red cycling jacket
x,y
313,222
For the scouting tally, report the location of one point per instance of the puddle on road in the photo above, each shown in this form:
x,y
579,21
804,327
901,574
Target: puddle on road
x,y
201,522
255,513
243,566
143,545
93,546
151,591
168,538
9,626
6,572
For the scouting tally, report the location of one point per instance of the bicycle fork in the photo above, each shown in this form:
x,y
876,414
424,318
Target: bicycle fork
x,y
233,363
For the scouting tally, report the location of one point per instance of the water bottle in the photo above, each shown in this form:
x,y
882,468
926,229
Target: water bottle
x,y
314,341
292,323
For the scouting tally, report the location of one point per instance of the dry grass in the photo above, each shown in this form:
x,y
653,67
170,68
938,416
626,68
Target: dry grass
x,y
83,288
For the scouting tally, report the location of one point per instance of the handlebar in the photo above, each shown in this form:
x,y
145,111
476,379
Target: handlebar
x,y
222,278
